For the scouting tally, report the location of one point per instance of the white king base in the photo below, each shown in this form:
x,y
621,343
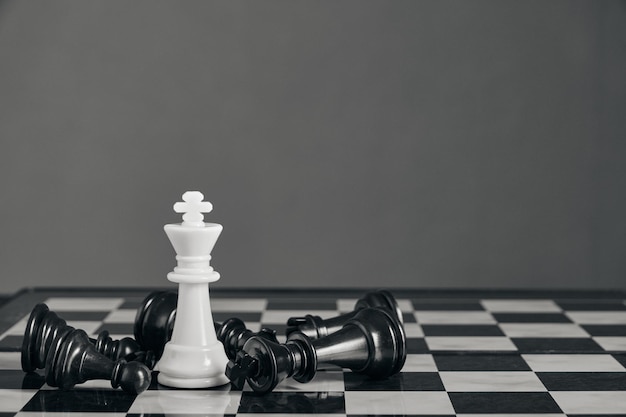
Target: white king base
x,y
193,358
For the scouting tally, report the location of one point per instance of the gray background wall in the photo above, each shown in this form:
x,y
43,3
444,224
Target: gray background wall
x,y
342,143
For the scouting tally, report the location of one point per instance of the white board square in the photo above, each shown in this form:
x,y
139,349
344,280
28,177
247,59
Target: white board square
x,y
591,402
543,330
397,403
491,381
476,343
573,363
521,306
454,317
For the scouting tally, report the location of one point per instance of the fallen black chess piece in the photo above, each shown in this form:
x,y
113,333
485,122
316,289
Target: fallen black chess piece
x,y
372,343
73,359
44,326
315,327
70,357
155,318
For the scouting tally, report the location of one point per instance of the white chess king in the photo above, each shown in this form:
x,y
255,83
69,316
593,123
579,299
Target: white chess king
x,y
193,358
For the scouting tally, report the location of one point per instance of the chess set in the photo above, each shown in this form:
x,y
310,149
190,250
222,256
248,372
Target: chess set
x,y
294,352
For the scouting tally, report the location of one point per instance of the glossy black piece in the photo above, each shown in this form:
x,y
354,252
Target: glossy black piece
x,y
372,343
233,334
73,359
44,326
126,348
154,322
315,327
155,318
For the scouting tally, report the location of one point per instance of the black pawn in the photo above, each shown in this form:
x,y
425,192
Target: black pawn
x,y
316,327
73,359
44,326
372,343
155,318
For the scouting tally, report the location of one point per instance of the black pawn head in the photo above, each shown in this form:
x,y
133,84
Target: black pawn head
x,y
43,327
132,377
154,321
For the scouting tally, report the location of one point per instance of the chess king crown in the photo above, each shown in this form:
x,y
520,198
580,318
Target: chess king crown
x,y
193,240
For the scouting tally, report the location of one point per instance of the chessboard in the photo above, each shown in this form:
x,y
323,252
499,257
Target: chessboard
x,y
469,352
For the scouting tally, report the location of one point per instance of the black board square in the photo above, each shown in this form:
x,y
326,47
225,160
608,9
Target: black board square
x,y
605,329
11,343
447,305
583,381
17,379
401,415
531,318
292,402
117,328
83,315
409,317
132,303
247,317
77,400
608,305
503,402
461,330
481,362
301,304
416,345
556,345
405,381
177,415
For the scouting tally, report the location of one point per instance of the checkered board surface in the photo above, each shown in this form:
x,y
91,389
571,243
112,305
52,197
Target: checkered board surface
x,y
496,353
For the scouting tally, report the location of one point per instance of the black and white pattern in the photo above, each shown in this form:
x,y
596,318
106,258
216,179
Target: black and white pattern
x,y
495,353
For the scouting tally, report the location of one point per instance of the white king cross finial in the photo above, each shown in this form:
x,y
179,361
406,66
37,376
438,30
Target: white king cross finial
x,y
193,207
